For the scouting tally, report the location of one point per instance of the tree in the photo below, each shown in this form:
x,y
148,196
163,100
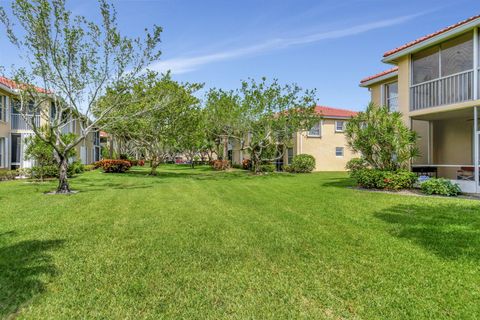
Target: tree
x,y
43,153
271,115
75,60
381,138
192,139
156,117
223,116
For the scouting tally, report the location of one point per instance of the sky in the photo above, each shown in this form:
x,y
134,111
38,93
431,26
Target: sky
x,y
329,45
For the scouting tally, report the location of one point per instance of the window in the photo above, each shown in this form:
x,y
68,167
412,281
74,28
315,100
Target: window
x,y
289,155
391,96
3,108
16,145
339,126
451,57
339,151
2,153
315,131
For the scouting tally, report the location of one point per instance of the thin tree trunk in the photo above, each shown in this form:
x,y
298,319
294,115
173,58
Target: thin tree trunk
x,y
63,186
154,165
225,148
111,148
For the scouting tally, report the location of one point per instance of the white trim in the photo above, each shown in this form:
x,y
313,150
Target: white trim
x,y
475,64
475,148
432,41
379,79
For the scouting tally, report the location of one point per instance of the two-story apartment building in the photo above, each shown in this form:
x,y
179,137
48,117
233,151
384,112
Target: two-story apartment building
x,y
14,130
435,85
325,141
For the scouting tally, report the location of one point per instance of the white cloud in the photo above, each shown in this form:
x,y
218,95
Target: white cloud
x,y
188,64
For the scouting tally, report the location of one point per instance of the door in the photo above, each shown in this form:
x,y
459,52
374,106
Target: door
x,y
15,150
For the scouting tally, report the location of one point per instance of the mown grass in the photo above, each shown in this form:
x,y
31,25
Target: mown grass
x,y
209,245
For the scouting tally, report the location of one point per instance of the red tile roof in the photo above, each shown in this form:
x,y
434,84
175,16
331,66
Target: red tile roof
x,y
334,112
378,75
429,36
14,85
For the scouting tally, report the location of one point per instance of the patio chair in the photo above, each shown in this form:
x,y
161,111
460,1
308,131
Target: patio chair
x,y
466,173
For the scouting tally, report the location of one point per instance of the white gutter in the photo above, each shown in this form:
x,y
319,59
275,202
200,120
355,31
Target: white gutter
x,y
379,79
434,40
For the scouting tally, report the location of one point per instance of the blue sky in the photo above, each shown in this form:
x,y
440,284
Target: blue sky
x,y
327,45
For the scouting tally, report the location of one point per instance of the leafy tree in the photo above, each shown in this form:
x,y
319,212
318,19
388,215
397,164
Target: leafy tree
x,y
43,153
75,60
381,138
158,115
223,119
271,115
191,140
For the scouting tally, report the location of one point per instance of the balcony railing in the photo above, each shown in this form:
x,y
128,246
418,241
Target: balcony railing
x,y
18,122
446,90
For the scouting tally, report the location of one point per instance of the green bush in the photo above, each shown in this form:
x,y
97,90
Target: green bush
x,y
8,174
356,164
440,186
288,168
267,168
379,179
38,172
89,167
74,168
303,163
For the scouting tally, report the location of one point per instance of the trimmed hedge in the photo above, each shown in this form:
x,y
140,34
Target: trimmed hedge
x,y
267,168
8,174
302,163
114,166
441,187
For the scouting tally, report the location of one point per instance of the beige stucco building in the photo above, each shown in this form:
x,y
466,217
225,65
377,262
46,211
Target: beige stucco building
x,y
326,142
435,85
14,131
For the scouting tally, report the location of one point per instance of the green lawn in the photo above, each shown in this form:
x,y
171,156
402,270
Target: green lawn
x,y
208,245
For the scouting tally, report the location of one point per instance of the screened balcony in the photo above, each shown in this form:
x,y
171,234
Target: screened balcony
x,y
445,74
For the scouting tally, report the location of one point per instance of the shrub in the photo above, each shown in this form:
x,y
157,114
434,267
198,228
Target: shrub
x,y
401,179
220,165
89,167
115,166
74,168
379,179
237,166
8,175
356,164
288,168
267,168
40,172
247,164
141,163
440,186
303,163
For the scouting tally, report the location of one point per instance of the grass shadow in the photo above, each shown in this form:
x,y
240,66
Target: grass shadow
x,y
22,264
449,231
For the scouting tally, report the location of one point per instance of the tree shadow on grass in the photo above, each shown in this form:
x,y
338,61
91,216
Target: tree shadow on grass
x,y
22,264
450,231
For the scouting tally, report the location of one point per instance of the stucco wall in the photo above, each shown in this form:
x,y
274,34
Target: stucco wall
x,y
323,148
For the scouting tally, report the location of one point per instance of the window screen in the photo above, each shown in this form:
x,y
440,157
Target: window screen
x,y
457,55
426,65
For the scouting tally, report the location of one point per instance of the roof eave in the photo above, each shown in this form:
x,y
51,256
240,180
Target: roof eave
x,y
379,79
432,41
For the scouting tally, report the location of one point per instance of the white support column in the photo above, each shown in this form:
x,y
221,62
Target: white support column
x,y
475,64
475,147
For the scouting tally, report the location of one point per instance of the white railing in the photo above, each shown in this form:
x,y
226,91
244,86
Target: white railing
x,y
446,90
18,122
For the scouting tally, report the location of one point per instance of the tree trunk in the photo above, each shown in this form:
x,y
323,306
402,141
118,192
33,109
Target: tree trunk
x,y
154,165
63,186
225,148
256,163
111,148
